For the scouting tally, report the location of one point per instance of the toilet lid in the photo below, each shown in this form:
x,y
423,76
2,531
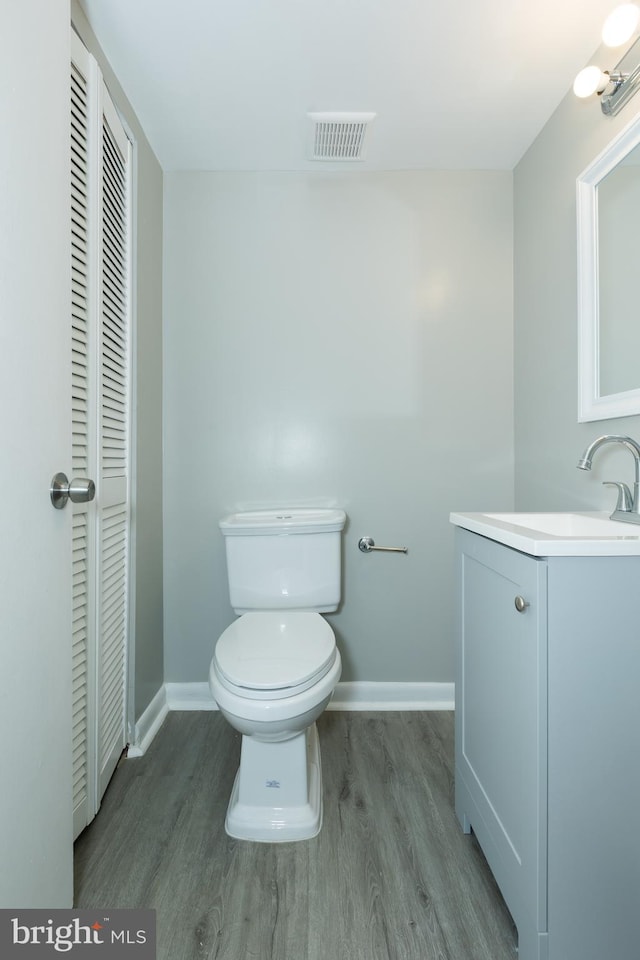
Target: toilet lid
x,y
275,650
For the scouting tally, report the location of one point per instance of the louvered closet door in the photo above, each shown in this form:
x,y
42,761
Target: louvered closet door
x,y
100,173
113,443
83,513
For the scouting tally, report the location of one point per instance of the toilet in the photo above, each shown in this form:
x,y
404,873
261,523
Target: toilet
x,y
275,668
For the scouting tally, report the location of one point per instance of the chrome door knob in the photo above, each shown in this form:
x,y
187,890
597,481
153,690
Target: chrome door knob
x,y
79,490
521,604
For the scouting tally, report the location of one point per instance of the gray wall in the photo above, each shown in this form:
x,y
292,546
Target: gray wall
x,y
336,339
548,438
147,491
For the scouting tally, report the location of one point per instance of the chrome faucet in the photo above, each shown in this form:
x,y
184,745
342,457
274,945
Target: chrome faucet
x,y
628,506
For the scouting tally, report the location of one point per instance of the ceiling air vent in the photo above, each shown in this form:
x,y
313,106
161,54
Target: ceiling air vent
x,y
339,136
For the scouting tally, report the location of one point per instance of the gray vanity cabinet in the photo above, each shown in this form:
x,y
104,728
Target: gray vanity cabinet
x,y
548,742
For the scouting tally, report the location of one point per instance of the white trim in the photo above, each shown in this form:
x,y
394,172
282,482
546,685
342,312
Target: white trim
x,y
397,695
149,724
361,695
189,696
132,490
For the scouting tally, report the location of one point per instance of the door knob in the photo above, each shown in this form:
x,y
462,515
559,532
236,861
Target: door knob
x,y
79,490
521,604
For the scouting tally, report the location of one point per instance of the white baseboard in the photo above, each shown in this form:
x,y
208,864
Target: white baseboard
x,y
189,696
149,724
371,695
359,695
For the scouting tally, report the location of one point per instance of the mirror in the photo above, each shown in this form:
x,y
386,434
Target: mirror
x,y
608,198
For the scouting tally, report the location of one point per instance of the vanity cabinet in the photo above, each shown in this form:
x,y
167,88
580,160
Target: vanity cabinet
x,y
548,741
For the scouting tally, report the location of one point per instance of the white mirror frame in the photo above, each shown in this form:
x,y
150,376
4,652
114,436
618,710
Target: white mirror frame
x,y
592,406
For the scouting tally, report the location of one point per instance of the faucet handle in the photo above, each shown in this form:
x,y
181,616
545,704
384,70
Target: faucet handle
x,y
625,500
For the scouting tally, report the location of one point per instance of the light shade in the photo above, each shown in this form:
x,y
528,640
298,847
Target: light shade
x,y
620,25
589,81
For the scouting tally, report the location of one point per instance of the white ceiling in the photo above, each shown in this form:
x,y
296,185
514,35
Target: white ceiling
x,y
227,84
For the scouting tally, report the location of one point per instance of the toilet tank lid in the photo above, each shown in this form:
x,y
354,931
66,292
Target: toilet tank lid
x,y
294,520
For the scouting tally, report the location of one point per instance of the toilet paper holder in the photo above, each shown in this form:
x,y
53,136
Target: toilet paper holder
x,y
368,544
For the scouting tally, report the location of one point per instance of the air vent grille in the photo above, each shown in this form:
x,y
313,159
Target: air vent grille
x,y
339,136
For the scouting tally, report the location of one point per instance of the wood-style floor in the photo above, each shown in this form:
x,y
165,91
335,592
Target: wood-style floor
x,y
390,876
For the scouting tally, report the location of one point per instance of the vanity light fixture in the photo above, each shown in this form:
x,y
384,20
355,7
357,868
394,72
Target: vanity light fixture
x,y
594,80
617,86
621,25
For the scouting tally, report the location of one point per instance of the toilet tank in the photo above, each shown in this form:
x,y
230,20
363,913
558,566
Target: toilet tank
x,y
284,559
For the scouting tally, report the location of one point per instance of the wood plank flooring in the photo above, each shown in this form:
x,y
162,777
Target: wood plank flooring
x,y
390,876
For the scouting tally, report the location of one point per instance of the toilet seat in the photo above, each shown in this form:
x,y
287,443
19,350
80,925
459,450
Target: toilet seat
x,y
275,654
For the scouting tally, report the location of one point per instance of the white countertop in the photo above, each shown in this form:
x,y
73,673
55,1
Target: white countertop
x,y
556,534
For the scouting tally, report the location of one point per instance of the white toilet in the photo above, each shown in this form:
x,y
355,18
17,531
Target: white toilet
x,y
275,668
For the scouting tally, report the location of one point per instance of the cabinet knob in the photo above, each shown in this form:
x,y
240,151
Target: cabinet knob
x,y
521,604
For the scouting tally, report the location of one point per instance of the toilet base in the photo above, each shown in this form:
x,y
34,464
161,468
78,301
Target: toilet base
x,y
277,794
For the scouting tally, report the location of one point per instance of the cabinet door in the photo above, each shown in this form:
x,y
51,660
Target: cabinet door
x,y
501,717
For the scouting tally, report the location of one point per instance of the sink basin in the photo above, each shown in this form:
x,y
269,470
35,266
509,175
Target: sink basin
x,y
567,524
556,534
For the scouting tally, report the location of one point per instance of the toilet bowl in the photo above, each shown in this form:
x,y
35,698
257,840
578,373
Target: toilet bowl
x,y
275,668
272,675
